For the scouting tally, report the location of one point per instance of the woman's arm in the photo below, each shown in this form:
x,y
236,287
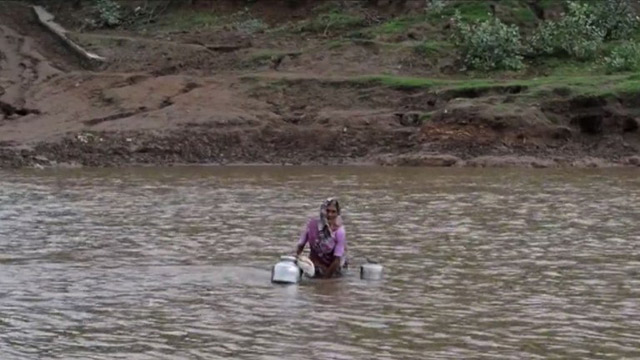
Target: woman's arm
x,y
302,241
338,252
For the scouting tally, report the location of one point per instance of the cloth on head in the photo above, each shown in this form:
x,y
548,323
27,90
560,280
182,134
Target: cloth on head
x,y
324,229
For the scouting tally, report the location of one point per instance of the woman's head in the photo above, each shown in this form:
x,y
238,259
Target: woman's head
x,y
330,208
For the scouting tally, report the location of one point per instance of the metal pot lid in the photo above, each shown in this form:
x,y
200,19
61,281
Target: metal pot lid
x,y
373,267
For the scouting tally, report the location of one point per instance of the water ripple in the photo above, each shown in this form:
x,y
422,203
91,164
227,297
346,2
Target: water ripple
x,y
175,264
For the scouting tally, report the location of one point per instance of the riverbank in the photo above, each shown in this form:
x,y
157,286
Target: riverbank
x,y
220,94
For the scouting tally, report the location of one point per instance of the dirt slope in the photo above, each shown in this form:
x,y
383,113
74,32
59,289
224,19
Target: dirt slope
x,y
227,97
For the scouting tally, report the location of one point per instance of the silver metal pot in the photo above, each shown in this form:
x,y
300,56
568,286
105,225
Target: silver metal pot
x,y
286,271
371,271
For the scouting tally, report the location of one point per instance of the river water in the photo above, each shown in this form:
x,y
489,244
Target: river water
x,y
174,263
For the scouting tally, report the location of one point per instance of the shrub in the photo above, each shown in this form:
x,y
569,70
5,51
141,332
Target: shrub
x,y
544,40
582,31
109,13
625,57
577,34
436,7
488,45
616,18
245,22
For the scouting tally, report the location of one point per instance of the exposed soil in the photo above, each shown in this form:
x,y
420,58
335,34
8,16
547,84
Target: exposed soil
x,y
215,97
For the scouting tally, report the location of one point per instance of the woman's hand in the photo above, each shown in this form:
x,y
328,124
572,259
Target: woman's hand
x,y
299,250
320,268
332,268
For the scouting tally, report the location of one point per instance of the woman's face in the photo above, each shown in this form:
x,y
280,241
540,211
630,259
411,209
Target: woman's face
x,y
332,212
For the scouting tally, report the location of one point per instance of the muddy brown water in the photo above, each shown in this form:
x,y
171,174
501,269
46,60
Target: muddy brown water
x,y
174,263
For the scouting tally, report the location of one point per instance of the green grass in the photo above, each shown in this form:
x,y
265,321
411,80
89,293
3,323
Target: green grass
x,y
511,11
631,85
545,4
565,67
473,10
361,34
432,47
398,25
417,83
398,82
524,15
597,85
425,117
190,20
337,44
332,21
470,10
187,20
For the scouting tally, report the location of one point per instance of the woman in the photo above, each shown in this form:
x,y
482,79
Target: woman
x,y
327,240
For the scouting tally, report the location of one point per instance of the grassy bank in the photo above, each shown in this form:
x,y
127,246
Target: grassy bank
x,y
475,39
595,85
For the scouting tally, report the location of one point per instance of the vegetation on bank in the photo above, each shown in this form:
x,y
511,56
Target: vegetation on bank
x,y
510,38
618,85
579,34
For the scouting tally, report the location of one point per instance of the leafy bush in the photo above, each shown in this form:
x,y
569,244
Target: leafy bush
x,y
577,34
544,40
436,6
616,18
583,29
488,45
109,13
244,21
625,57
